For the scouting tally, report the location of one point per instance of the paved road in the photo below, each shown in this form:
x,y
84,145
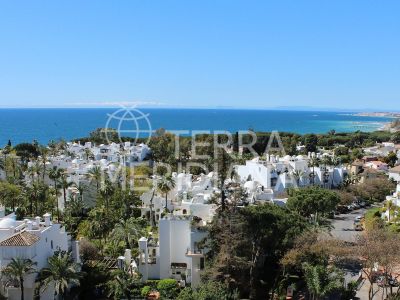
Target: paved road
x,y
343,225
343,229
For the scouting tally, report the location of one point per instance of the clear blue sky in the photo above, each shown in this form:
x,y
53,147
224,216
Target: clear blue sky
x,y
343,54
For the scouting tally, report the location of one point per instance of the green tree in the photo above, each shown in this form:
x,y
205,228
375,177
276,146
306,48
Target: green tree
x,y
17,270
312,201
311,142
322,280
164,185
209,290
168,288
11,195
246,247
55,175
65,184
391,159
128,231
122,285
62,272
95,174
106,191
395,138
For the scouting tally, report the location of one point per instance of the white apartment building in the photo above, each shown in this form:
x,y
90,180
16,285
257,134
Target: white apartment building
x,y
176,254
35,239
278,174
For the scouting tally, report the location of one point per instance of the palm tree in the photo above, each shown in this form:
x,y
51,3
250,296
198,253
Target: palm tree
x,y
314,162
128,231
55,174
298,175
322,280
62,272
17,269
95,174
6,150
164,185
65,184
43,159
32,172
15,166
122,284
106,191
35,192
3,166
389,207
88,153
335,162
151,208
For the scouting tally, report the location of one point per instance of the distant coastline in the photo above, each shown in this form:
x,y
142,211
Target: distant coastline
x,y
378,114
386,126
43,125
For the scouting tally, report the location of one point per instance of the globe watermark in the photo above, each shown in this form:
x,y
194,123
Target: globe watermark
x,y
130,123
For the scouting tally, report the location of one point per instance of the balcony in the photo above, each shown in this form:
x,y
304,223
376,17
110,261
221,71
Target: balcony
x,y
194,253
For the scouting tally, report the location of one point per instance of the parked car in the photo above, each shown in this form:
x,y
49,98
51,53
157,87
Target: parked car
x,y
342,209
357,226
358,218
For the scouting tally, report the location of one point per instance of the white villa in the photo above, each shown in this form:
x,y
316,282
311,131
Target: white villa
x,y
189,197
35,239
383,149
175,253
276,174
80,159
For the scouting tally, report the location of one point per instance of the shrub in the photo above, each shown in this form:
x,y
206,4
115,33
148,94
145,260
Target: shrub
x,y
88,251
145,291
168,288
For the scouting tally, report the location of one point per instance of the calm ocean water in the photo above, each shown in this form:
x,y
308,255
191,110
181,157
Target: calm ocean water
x,y
25,125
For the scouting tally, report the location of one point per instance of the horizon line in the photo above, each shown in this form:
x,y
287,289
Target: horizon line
x,y
275,108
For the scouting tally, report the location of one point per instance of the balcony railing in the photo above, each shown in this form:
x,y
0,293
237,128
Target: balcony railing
x,y
194,252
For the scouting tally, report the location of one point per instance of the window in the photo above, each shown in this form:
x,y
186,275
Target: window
x,y
51,244
201,263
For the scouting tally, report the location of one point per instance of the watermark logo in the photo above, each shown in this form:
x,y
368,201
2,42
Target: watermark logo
x,y
128,122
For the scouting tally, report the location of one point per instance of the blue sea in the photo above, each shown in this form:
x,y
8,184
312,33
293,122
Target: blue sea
x,y
43,125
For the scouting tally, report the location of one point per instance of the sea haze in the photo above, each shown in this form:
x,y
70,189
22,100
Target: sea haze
x,y
43,125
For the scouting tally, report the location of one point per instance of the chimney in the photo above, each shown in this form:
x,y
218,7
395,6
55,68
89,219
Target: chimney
x,y
37,219
128,256
77,252
30,225
143,243
121,262
47,219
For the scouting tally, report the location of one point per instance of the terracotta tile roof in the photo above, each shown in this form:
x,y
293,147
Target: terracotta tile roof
x,y
370,171
22,238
